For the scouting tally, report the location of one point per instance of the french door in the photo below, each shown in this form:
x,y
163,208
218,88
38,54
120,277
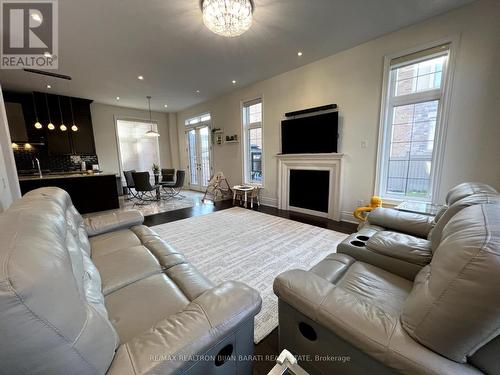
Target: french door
x,y
199,163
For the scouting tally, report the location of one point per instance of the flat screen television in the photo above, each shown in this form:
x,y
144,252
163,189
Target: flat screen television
x,y
311,134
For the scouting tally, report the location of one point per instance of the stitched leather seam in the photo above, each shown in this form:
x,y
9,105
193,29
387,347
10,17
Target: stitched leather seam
x,y
438,299
48,325
130,358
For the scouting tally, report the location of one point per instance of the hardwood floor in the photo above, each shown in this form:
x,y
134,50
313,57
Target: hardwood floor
x,y
266,351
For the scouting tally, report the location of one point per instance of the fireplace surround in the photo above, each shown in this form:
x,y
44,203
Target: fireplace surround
x,y
330,162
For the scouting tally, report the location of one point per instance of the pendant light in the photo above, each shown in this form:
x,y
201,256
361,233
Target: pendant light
x,y
50,126
73,127
37,123
151,132
62,127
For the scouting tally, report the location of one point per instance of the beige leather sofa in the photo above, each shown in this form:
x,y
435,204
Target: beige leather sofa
x,y
351,317
391,248
108,295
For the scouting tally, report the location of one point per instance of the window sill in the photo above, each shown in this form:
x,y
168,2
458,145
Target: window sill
x,y
393,202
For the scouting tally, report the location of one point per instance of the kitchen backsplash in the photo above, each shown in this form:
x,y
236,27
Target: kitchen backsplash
x,y
54,163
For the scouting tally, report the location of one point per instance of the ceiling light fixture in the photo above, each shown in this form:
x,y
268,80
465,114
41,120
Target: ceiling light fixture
x,y
50,126
73,127
234,82
299,53
151,132
165,105
197,91
37,123
49,86
140,78
62,127
229,18
117,98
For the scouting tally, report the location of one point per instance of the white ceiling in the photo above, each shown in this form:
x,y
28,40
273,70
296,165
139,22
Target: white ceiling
x,y
105,44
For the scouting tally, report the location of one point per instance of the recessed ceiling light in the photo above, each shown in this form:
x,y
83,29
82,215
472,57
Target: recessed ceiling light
x,y
140,77
234,81
165,105
117,98
197,91
299,53
49,86
47,54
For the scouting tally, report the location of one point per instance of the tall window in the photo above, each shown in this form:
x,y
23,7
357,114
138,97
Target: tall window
x,y
136,150
252,137
416,87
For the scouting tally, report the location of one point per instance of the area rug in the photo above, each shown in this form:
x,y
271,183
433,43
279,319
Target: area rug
x,y
251,247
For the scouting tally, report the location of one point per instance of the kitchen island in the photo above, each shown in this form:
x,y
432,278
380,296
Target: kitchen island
x,y
89,192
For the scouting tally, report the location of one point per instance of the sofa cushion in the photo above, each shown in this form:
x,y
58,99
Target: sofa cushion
x,y
401,246
109,242
51,307
454,308
465,189
124,267
363,308
400,221
139,306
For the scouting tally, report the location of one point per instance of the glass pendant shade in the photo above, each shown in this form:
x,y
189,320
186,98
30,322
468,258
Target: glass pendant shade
x,y
63,127
51,126
229,18
151,132
74,128
38,125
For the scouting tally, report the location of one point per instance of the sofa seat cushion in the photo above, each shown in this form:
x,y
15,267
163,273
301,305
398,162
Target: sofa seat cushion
x,y
104,244
363,308
126,266
139,306
401,246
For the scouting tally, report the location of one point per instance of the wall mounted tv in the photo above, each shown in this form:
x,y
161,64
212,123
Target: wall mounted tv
x,y
312,134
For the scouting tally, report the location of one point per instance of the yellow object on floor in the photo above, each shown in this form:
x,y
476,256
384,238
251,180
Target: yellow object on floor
x,y
360,213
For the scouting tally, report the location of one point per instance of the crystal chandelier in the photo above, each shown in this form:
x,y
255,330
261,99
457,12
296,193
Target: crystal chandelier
x,y
228,18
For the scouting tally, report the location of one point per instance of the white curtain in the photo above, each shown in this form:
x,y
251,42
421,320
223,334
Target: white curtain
x,y
136,150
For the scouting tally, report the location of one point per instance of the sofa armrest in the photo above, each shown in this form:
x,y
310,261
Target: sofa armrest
x,y
103,223
303,290
401,246
181,337
401,221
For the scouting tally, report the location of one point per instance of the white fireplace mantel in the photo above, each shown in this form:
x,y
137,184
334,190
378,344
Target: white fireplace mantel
x,y
331,162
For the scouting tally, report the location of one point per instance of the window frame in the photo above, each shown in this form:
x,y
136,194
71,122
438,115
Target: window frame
x,y
200,124
117,139
245,131
388,103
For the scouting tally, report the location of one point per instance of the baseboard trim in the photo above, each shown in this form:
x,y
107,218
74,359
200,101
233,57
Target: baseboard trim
x,y
348,217
271,202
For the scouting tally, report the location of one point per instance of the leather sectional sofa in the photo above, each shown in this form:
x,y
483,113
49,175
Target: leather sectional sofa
x,y
108,295
353,316
402,242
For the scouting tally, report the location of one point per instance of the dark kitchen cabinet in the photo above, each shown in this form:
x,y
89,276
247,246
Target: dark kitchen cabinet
x,y
63,109
21,118
83,140
58,141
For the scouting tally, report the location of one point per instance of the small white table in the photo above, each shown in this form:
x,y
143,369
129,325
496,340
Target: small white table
x,y
242,190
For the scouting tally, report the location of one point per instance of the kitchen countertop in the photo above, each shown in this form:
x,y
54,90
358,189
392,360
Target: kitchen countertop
x,y
50,176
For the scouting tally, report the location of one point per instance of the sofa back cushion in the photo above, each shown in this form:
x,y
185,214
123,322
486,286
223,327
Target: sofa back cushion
x,y
52,313
454,307
465,189
480,198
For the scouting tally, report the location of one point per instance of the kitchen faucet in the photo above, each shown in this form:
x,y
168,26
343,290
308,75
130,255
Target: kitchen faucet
x,y
39,169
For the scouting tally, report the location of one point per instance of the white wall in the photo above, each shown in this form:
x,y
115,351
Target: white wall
x,y
353,80
9,185
103,120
